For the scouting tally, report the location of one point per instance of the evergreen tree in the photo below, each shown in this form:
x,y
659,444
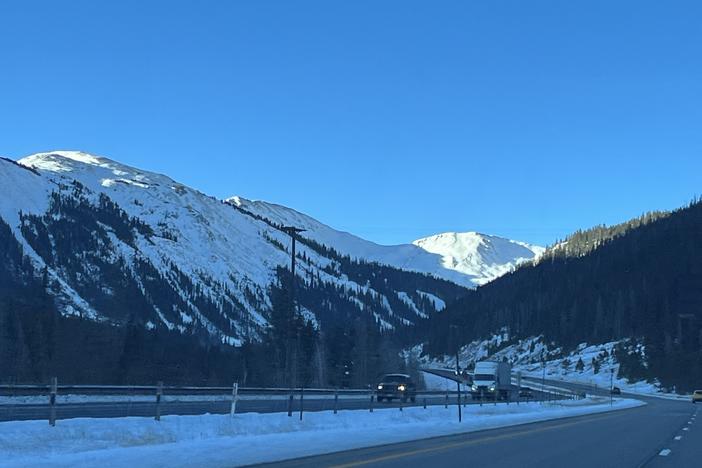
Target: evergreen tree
x,y
580,365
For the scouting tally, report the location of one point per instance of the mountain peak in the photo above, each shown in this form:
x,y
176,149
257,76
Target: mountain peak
x,y
62,161
483,256
93,170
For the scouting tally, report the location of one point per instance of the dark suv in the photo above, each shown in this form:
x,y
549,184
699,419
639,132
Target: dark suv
x,y
399,386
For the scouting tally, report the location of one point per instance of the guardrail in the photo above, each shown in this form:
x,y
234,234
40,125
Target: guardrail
x,y
21,389
294,397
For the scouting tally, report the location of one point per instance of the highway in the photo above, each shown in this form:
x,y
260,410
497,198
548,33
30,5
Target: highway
x,y
627,438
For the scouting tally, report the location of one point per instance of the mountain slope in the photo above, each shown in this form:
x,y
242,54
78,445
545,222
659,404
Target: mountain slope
x,y
119,244
469,259
643,285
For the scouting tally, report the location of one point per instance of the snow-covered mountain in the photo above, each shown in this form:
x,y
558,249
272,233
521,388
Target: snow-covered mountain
x,y
469,259
479,256
116,243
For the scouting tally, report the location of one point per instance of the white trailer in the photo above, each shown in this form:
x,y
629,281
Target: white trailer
x,y
492,379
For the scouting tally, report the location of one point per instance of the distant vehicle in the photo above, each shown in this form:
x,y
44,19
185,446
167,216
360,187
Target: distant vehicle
x,y
525,392
491,379
465,375
697,396
396,386
616,391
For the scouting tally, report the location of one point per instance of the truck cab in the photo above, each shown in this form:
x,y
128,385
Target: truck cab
x,y
491,380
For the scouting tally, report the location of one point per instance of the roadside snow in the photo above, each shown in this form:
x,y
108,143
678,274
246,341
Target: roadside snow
x,y
220,440
598,365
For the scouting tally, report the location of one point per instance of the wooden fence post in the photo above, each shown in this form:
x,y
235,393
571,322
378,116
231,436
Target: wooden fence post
x,y
52,401
235,397
302,401
159,392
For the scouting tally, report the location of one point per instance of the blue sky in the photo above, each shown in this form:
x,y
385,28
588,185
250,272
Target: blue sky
x,y
390,119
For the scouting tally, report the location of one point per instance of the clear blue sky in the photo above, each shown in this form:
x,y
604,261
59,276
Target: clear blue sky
x,y
390,119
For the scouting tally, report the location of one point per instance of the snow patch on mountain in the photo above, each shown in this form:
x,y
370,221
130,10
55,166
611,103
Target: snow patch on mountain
x,y
404,297
439,304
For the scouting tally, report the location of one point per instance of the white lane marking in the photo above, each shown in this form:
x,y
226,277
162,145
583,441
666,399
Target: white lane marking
x,y
665,452
686,428
678,437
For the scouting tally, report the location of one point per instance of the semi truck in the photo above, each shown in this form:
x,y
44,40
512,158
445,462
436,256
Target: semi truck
x,y
491,379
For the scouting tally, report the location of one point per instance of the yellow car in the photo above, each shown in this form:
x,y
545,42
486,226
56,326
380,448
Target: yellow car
x,y
697,396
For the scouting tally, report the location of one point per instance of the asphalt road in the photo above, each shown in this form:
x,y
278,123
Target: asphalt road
x,y
22,412
626,438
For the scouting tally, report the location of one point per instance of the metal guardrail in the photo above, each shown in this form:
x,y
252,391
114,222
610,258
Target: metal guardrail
x,y
294,396
126,390
174,390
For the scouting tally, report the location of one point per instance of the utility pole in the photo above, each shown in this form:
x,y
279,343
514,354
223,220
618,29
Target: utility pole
x,y
611,386
292,231
458,386
543,376
458,373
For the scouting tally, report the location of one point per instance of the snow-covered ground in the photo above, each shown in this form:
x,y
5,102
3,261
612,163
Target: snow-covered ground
x,y
599,363
216,440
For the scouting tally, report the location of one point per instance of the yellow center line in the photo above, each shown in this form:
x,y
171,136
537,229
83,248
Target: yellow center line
x,y
467,443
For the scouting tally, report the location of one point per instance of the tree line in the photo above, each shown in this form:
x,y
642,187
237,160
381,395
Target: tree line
x,y
643,283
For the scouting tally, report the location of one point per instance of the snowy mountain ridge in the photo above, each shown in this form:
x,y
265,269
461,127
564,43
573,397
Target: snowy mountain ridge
x,y
113,241
469,259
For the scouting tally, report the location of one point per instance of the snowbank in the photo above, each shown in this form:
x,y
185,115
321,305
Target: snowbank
x,y
220,440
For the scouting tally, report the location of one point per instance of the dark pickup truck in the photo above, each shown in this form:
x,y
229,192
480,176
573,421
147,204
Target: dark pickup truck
x,y
396,386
